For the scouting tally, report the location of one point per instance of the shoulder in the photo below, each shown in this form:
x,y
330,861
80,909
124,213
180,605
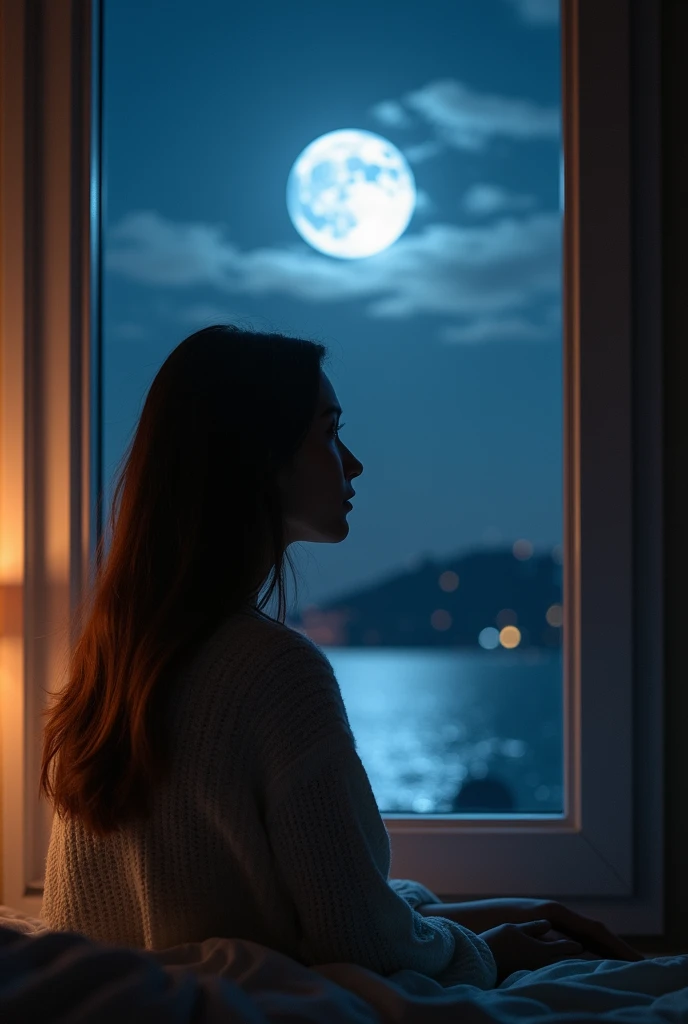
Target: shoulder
x,y
266,681
273,644
269,643
300,694
269,663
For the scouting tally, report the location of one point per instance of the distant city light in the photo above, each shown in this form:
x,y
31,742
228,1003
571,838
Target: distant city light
x,y
555,615
507,617
489,638
510,637
522,549
517,625
448,581
440,619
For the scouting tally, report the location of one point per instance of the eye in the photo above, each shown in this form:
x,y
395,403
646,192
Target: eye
x,y
335,429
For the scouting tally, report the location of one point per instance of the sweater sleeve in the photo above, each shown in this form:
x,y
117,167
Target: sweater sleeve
x,y
330,844
415,893
331,847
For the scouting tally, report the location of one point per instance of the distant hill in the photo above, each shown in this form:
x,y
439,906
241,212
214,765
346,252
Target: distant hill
x,y
461,602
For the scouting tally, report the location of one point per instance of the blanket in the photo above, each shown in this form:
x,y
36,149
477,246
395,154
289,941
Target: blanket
x,y
49,977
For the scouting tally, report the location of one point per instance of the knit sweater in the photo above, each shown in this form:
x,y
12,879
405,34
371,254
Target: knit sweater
x,y
266,828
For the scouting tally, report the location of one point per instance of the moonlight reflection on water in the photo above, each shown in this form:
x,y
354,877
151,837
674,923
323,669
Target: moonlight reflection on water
x,y
427,722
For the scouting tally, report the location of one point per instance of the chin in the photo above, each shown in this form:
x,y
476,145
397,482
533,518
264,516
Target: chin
x,y
343,533
334,531
332,534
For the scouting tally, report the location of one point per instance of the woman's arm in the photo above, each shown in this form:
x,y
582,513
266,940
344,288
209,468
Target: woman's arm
x,y
330,845
332,851
477,915
481,915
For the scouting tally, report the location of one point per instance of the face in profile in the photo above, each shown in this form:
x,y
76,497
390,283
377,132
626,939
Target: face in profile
x,y
317,487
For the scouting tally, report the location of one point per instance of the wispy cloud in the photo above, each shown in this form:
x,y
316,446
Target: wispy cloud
x,y
483,199
468,119
496,270
537,12
491,329
424,204
392,114
146,247
423,151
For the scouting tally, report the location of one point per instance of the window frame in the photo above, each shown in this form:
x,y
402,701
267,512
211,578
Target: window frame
x,y
604,855
49,293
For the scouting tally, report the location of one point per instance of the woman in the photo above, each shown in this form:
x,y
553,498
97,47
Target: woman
x,y
200,759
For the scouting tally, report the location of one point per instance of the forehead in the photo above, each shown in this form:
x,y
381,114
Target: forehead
x,y
327,394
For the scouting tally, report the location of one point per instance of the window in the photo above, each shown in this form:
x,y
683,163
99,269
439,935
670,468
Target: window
x,y
566,436
389,182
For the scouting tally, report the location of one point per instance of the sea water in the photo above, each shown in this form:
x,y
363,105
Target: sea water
x,y
429,721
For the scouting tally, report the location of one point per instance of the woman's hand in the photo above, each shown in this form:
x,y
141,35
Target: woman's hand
x,y
480,915
518,947
594,935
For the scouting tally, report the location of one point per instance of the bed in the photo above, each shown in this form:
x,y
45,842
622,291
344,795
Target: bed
x,y
50,976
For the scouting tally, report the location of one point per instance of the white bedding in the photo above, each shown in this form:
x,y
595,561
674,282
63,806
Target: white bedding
x,y
223,980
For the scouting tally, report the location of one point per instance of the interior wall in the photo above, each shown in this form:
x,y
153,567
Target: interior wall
x,y
675,316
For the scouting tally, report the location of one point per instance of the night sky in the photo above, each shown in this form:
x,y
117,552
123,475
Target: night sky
x,y
446,349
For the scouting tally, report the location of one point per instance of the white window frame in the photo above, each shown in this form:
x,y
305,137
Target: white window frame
x,y
604,856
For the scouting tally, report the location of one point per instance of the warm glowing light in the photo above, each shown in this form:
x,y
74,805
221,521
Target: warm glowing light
x,y
507,617
555,615
510,637
440,619
448,581
326,627
523,550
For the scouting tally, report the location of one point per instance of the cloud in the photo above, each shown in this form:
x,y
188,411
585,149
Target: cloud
x,y
496,270
392,114
423,151
424,204
485,199
537,12
490,329
469,120
148,248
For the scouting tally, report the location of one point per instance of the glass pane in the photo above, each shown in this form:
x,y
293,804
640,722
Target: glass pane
x,y
385,179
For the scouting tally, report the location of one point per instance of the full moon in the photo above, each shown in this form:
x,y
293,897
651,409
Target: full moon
x,y
350,194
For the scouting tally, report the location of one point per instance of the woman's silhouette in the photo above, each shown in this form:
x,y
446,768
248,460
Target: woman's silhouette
x,y
199,757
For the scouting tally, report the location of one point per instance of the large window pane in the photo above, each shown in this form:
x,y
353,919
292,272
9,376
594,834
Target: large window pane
x,y
442,610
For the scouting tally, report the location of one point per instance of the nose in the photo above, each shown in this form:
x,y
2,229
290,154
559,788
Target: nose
x,y
354,467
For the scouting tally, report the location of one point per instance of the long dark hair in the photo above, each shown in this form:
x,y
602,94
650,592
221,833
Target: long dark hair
x,y
195,516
